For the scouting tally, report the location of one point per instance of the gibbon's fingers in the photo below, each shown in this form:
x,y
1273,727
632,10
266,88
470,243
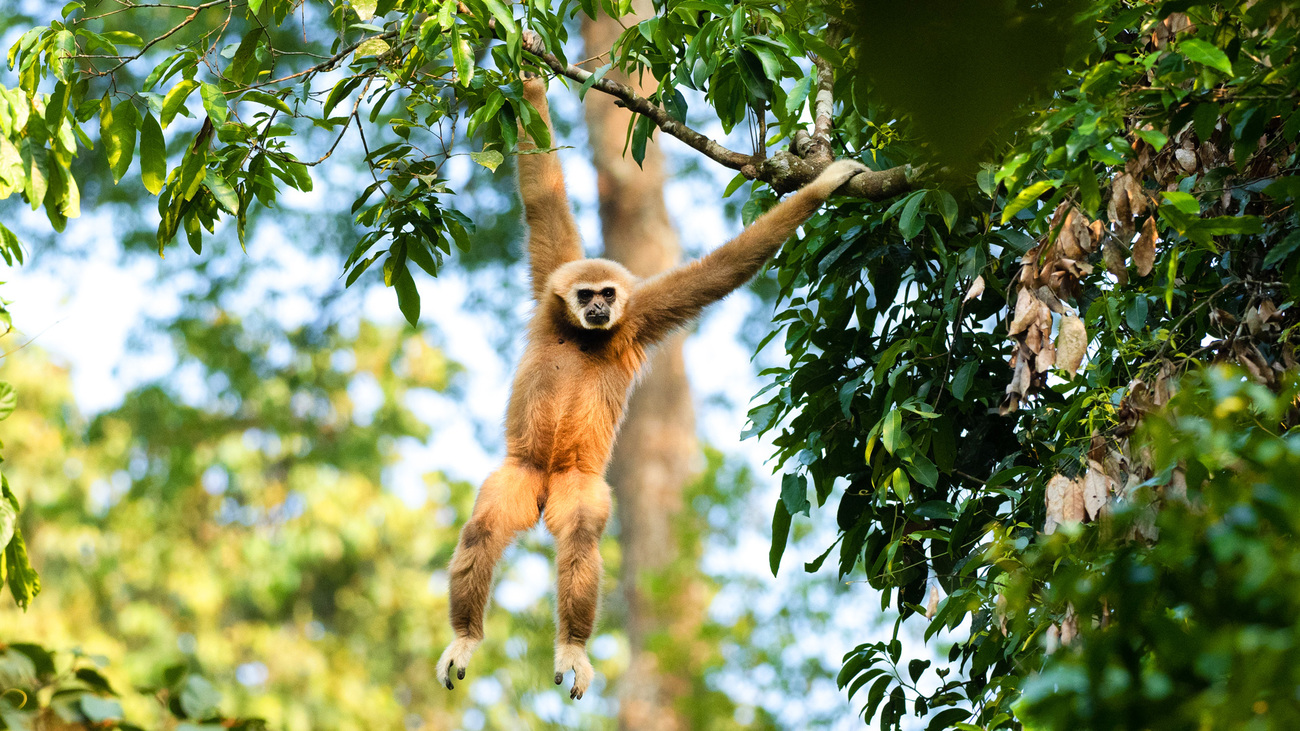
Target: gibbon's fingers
x,y
456,656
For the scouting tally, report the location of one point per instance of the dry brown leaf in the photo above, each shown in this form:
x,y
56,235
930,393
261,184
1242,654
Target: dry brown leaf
x,y
1071,344
1186,159
1026,311
1046,356
1059,502
1144,251
976,289
933,605
1069,626
1137,198
1176,490
1096,489
1113,255
1118,210
1051,639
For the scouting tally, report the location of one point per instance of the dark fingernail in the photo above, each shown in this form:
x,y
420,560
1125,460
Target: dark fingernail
x,y
559,678
449,687
460,674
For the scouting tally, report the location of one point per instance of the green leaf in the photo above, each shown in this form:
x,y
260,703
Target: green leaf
x,y
222,193
1027,196
8,522
199,699
99,710
798,95
461,57
8,399
489,159
912,221
175,99
238,69
922,469
372,47
119,136
153,154
64,47
1184,202
340,92
1152,137
962,379
902,486
1207,54
794,493
408,297
214,103
891,434
193,169
1281,250
947,207
266,100
780,535
365,8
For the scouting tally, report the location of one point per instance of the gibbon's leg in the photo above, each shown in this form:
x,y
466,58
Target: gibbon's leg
x,y
577,508
552,235
506,504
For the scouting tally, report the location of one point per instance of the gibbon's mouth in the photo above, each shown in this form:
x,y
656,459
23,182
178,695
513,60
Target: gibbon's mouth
x,y
598,318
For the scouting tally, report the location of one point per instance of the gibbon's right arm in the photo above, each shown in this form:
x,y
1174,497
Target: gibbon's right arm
x,y
552,234
670,300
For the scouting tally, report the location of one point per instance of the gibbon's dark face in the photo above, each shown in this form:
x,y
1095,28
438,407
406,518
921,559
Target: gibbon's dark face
x,y
597,306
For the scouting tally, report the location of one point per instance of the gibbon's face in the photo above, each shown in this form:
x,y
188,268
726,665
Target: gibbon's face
x,y
594,292
599,304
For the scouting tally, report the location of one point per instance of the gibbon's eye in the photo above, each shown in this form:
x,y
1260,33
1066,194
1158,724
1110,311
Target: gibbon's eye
x,y
607,293
585,295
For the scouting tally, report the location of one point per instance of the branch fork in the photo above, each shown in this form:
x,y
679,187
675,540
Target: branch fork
x,y
784,170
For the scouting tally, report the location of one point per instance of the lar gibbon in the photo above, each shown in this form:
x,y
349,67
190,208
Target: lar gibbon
x,y
586,342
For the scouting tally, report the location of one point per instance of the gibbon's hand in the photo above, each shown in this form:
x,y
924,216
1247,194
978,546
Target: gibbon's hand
x,y
835,175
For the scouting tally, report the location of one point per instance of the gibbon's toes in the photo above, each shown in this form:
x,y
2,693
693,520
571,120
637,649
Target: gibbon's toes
x,y
456,656
574,657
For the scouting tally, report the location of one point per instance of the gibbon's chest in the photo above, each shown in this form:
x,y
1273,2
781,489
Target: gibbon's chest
x,y
568,399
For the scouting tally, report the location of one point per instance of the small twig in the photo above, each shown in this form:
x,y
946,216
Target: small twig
x,y
194,13
326,65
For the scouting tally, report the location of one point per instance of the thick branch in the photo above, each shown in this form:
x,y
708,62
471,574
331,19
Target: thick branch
x,y
823,110
784,171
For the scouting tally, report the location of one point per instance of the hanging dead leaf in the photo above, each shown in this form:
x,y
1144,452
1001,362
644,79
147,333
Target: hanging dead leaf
x,y
1137,198
1064,502
976,289
1096,489
1176,490
1051,639
933,605
1069,626
1071,344
1118,210
1113,254
1144,251
1026,311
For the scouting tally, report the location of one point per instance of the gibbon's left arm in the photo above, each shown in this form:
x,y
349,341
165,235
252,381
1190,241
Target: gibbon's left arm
x,y
668,301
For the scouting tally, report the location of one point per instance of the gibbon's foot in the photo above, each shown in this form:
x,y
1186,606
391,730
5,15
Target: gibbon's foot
x,y
455,656
838,173
573,657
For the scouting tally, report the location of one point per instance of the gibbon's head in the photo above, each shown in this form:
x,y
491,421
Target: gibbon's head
x,y
593,291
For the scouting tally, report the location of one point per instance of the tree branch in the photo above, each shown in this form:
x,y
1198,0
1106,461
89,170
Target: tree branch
x,y
785,171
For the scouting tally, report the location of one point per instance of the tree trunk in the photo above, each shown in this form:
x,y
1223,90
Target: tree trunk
x,y
657,453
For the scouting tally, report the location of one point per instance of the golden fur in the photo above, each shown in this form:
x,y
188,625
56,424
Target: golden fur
x,y
570,390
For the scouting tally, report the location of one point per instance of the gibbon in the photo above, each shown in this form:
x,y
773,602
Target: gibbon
x,y
586,342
